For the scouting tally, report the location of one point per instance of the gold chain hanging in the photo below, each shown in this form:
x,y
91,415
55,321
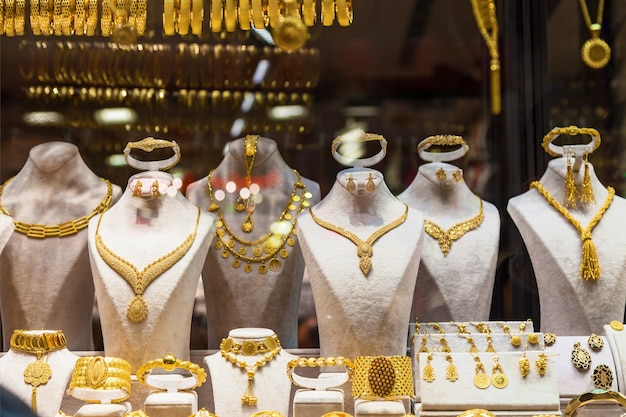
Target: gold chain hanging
x,y
487,21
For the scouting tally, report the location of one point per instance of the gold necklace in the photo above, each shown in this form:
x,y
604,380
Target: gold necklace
x,y
39,372
268,246
446,237
137,309
248,204
229,349
589,267
62,229
363,247
595,51
487,21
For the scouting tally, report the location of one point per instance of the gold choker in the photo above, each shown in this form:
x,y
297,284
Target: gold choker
x,y
446,237
40,344
249,347
62,229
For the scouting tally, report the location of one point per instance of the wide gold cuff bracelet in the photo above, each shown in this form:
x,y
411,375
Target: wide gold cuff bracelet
x,y
382,377
100,379
594,396
333,380
170,363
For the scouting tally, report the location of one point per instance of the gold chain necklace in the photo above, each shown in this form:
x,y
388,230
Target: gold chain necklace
x,y
229,349
248,204
268,246
487,21
39,372
446,237
595,51
363,247
62,229
137,309
589,267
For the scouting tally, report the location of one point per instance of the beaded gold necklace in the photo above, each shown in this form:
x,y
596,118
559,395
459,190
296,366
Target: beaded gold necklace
x,y
269,247
589,267
62,229
446,237
137,309
364,248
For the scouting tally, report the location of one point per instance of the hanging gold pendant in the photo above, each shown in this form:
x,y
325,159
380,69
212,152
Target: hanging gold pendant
x,y
602,377
137,310
481,380
596,53
499,380
581,358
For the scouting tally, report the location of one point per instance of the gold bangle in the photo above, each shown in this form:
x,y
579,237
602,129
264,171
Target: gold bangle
x,y
243,14
387,377
359,136
106,20
92,16
20,17
45,17
168,17
309,14
596,395
328,12
344,12
141,16
230,15
460,148
217,12
1,17
273,12
258,14
197,16
170,363
319,383
337,414
184,17
34,17
67,18
9,17
203,413
266,414
107,375
149,144
80,17
57,17
554,150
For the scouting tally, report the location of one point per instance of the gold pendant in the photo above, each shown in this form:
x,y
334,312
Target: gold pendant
x,y
596,53
581,358
499,380
137,310
275,265
37,373
602,377
481,381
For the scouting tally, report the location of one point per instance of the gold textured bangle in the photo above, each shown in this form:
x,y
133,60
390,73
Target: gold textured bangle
x,y
168,17
57,17
170,363
596,395
217,12
184,17
344,12
92,16
1,17
141,16
106,20
230,15
108,375
20,17
258,14
197,16
460,148
337,414
359,136
273,12
309,14
9,17
243,14
67,18
387,377
328,12
80,17
554,150
149,144
45,17
34,17
317,383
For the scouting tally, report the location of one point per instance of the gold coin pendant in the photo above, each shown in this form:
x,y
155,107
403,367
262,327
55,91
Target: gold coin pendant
x,y
247,268
596,53
499,380
481,381
275,265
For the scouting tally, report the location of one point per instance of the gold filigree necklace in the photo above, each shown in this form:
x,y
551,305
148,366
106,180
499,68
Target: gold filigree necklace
x,y
364,248
270,246
446,237
589,267
137,309
39,372
62,229
229,349
595,51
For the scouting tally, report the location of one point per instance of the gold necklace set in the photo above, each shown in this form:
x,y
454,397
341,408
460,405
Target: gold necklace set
x,y
446,237
266,250
68,228
589,267
137,309
364,248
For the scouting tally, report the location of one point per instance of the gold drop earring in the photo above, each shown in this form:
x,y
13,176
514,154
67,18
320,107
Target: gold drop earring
x,y
451,372
542,363
154,189
441,175
524,365
428,374
490,347
586,195
498,378
250,149
350,185
370,185
481,379
532,338
595,342
570,185
516,340
137,189
457,175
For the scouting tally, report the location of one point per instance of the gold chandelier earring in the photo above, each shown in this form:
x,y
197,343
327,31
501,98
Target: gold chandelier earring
x,y
250,150
586,195
428,374
350,185
370,185
570,185
137,189
451,372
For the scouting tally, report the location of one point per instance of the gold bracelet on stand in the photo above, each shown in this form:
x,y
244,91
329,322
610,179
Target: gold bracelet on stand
x,y
344,12
309,13
273,12
141,16
106,20
244,15
34,17
57,17
67,18
45,17
258,14
1,17
80,17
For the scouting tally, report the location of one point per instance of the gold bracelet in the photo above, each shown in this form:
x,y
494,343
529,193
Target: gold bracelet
x,y
170,363
203,413
230,15
141,16
184,17
106,20
273,12
359,136
9,17
80,17
20,17
217,12
477,412
309,14
243,14
387,377
258,14
457,143
92,16
1,17
320,383
197,16
99,373
554,150
149,144
337,414
45,16
328,12
344,12
168,17
596,395
34,17
57,17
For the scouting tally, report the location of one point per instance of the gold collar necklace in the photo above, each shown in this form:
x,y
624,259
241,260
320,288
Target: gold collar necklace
x,y
363,247
446,237
62,229
229,349
137,309
268,246
39,372
589,267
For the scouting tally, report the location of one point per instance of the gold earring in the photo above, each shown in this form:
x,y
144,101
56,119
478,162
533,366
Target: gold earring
x,y
248,225
542,363
498,378
350,185
451,373
490,347
457,175
570,185
481,380
524,365
595,342
240,205
532,338
441,175
429,373
473,348
516,340
154,189
586,195
581,358
137,189
370,185
423,347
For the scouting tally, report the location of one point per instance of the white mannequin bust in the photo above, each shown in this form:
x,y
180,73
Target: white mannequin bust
x,y
6,230
440,294
235,298
272,387
143,231
569,305
49,395
362,314
38,276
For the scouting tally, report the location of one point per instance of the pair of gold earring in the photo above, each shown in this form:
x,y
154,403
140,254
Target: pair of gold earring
x,y
154,189
586,195
441,175
428,374
541,363
370,185
498,378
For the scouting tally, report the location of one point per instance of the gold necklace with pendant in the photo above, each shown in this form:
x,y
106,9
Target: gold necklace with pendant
x,y
595,51
446,237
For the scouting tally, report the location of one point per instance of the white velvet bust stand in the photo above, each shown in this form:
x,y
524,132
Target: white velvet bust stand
x,y
235,298
38,276
440,293
49,395
272,387
571,306
141,231
617,342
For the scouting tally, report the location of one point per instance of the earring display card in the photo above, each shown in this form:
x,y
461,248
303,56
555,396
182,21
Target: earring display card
x,y
533,394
